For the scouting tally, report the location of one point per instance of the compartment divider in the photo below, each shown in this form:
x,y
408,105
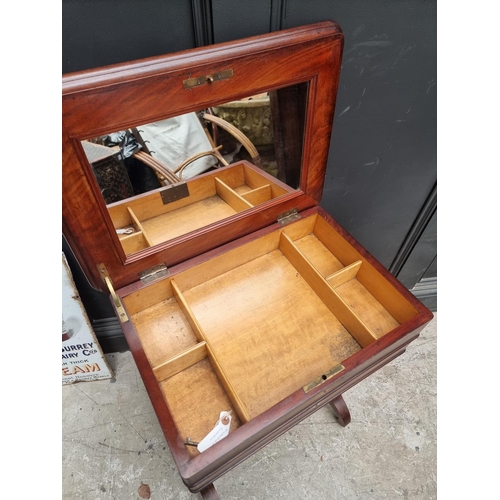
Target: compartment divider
x,y
337,305
180,362
240,408
258,195
231,197
219,370
344,275
255,180
138,225
368,276
193,323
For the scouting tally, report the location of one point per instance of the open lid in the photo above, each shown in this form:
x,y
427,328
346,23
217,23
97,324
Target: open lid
x,y
296,70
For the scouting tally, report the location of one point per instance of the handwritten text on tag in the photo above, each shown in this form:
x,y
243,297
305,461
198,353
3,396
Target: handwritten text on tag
x,y
221,430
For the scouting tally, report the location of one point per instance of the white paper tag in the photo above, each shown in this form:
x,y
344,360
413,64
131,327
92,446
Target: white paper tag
x,y
221,430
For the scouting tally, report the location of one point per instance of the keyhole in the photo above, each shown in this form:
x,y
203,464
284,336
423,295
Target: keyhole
x,y
210,79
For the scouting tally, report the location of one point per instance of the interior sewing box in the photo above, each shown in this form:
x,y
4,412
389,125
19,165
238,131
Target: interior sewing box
x,y
235,290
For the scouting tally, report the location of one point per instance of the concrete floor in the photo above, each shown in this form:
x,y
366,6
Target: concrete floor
x,y
112,442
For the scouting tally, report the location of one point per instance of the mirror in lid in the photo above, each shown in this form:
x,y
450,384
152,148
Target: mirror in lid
x,y
169,157
165,179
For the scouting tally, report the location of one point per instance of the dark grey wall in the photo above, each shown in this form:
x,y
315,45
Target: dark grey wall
x,y
382,162
381,175
382,165
101,32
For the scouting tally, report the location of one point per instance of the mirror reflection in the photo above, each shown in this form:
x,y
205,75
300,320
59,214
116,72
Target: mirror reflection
x,y
164,179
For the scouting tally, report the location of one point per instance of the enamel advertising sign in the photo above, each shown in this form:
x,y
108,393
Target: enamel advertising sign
x,y
82,357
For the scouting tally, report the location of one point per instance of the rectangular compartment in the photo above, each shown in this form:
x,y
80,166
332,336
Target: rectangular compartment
x,y
195,397
165,214
254,323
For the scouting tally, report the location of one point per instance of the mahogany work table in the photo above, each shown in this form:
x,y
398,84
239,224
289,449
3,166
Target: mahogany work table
x,y
236,292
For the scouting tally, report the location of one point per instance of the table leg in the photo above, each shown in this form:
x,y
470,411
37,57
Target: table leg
x,y
340,411
209,493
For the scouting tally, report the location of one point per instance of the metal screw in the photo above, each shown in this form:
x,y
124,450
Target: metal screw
x,y
188,442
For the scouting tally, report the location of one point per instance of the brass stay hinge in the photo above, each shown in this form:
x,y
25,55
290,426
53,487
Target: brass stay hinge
x,y
122,315
153,273
288,216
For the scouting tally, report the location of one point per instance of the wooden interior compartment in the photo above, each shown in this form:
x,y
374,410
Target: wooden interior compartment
x,y
161,325
256,305
258,187
212,197
260,321
134,242
195,398
137,240
187,372
374,301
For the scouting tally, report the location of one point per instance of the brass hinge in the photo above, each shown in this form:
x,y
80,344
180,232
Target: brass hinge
x,y
174,193
122,315
288,216
323,378
153,273
214,77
